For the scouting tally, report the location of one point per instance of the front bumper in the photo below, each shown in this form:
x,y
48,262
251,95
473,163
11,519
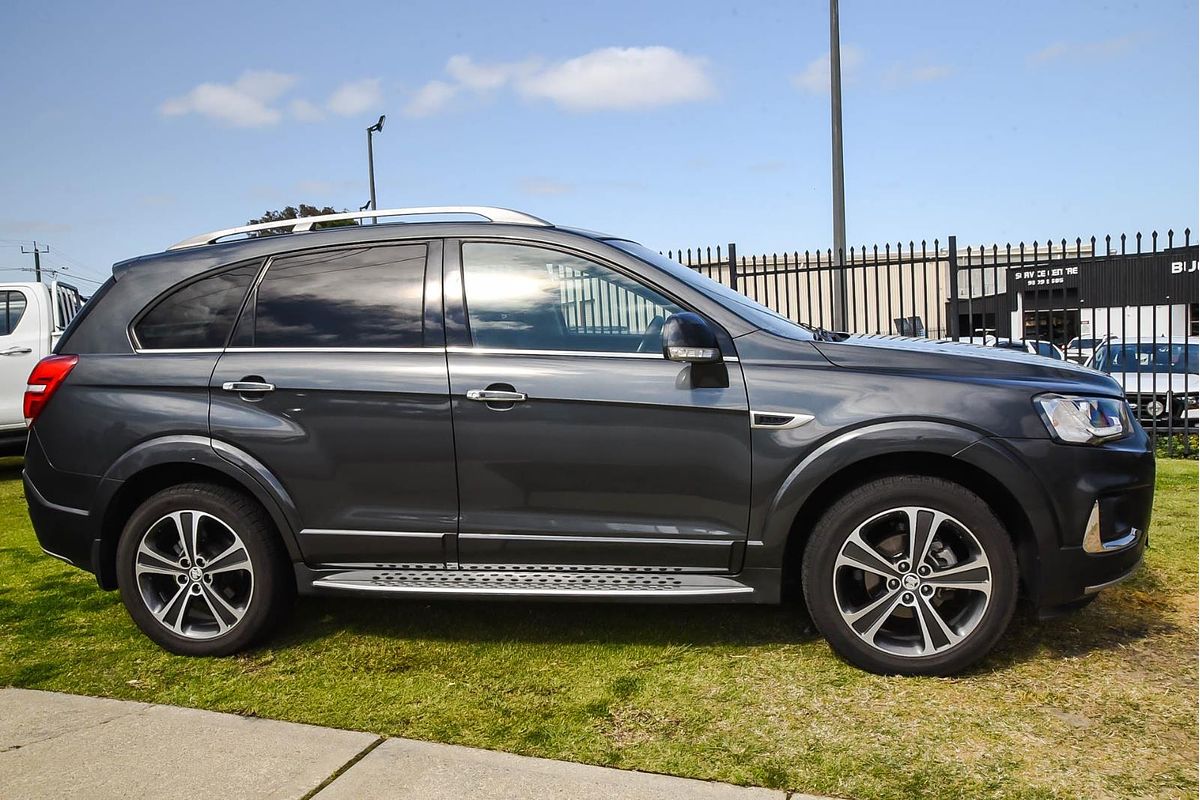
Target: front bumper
x,y
1101,498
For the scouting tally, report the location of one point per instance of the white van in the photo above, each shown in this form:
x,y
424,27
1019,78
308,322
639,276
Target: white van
x,y
32,317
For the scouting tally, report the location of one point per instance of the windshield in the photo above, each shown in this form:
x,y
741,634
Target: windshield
x,y
1149,357
756,314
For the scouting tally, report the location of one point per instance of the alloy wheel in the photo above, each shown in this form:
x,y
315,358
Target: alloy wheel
x,y
194,574
912,581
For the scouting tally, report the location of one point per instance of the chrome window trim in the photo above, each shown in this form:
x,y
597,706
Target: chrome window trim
x,y
501,351
334,349
291,350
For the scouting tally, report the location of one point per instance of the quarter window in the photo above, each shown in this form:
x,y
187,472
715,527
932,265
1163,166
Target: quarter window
x,y
365,297
198,315
12,311
529,298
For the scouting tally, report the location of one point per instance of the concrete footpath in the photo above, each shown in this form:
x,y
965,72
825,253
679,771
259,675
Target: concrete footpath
x,y
64,746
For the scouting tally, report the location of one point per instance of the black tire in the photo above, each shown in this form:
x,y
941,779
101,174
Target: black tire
x,y
267,584
869,502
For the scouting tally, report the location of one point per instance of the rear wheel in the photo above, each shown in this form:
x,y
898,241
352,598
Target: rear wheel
x,y
910,575
202,570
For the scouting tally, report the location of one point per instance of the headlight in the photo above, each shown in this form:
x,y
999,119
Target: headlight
x,y
1084,420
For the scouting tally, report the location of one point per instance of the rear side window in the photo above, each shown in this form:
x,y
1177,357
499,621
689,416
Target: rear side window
x,y
12,308
198,315
365,297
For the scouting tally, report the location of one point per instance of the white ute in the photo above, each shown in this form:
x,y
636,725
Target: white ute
x,y
32,318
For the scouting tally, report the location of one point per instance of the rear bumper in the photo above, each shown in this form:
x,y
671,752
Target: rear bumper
x,y
62,531
1109,489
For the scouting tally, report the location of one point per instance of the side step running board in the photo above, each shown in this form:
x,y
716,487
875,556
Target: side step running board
x,y
475,583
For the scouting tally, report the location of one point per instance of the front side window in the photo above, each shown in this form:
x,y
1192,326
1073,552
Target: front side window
x,y
367,297
530,298
198,315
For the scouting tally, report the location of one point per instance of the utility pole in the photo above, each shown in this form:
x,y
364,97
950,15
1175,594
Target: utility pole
x,y
838,315
37,259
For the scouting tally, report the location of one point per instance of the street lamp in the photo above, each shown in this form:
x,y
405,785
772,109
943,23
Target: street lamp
x,y
376,128
839,315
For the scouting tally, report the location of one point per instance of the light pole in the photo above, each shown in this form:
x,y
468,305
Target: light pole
x,y
839,179
376,128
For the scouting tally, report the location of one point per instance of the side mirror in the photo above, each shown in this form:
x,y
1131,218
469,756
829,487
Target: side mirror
x,y
689,338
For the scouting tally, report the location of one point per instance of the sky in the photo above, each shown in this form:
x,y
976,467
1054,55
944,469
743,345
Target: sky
x,y
129,126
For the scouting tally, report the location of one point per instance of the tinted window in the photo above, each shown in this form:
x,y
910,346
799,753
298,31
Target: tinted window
x,y
197,315
366,297
1149,357
756,313
530,298
12,311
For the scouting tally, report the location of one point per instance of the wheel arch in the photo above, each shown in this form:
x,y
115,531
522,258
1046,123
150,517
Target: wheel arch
x,y
158,464
998,497
957,454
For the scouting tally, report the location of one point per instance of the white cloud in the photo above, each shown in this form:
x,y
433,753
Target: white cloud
x,y
544,186
484,77
814,78
622,79
430,99
306,111
1104,48
245,103
614,78
356,97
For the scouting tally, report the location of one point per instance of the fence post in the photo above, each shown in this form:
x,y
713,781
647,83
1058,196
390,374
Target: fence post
x,y
733,275
952,323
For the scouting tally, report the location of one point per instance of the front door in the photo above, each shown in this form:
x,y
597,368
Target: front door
x,y
23,335
335,383
578,444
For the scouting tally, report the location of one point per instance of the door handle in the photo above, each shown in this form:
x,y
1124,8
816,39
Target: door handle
x,y
244,387
15,351
496,396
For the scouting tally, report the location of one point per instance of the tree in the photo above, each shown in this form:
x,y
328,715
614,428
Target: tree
x,y
292,212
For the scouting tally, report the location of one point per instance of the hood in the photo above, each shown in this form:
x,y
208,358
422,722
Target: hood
x,y
967,360
1157,382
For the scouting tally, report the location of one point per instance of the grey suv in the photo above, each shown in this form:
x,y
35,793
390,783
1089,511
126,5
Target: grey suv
x,y
511,409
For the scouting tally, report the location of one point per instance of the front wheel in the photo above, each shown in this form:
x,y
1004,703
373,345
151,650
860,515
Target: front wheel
x,y
910,575
202,571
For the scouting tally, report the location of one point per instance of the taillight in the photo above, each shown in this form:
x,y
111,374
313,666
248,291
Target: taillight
x,y
44,381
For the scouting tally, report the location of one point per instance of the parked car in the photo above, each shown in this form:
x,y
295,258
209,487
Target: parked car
x,y
32,317
1035,347
510,409
1160,377
1080,349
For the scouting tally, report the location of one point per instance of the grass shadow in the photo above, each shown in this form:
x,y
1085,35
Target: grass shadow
x,y
489,621
10,467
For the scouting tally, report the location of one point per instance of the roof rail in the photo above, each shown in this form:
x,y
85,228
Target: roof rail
x,y
489,213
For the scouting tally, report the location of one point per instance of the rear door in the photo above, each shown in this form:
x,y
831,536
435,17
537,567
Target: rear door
x,y
336,382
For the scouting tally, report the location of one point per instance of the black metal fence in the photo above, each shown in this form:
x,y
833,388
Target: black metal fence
x,y
1128,306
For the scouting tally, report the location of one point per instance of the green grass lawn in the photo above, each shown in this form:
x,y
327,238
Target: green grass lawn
x,y
1101,704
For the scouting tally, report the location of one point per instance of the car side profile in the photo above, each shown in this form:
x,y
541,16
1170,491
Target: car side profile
x,y
503,408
